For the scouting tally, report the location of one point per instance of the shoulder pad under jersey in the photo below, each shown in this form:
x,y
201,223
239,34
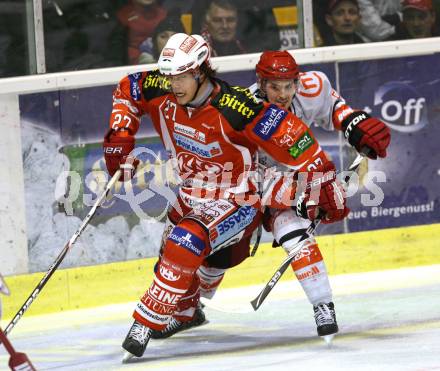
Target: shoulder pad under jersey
x,y
314,84
155,85
236,104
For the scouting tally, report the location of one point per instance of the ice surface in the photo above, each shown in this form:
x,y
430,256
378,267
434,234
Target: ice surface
x,y
388,321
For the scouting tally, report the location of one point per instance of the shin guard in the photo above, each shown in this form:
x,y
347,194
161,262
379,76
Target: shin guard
x,y
184,250
311,272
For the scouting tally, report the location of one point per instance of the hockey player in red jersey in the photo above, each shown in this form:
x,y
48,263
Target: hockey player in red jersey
x,y
213,131
309,96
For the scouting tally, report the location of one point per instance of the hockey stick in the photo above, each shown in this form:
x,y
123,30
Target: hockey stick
x,y
258,239
17,360
63,253
303,234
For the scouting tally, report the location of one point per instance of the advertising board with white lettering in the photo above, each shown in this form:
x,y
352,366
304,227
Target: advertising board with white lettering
x,y
402,92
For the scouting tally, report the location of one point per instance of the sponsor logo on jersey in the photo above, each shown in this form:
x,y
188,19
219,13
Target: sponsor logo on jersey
x,y
188,44
135,90
216,208
211,211
303,253
285,141
232,225
270,121
204,150
159,312
168,274
187,240
145,312
190,132
247,92
163,295
232,102
312,84
157,81
190,163
301,145
308,273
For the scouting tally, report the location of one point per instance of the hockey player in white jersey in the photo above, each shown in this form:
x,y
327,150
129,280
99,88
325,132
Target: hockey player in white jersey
x,y
310,96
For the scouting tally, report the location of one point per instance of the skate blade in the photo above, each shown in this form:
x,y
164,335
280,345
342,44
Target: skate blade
x,y
127,357
328,339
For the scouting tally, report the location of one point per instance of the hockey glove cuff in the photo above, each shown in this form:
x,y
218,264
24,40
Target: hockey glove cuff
x,y
363,131
117,150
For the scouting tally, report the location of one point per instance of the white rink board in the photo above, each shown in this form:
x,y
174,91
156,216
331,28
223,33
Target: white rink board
x,y
246,62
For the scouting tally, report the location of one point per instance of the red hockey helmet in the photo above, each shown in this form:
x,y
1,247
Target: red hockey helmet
x,y
277,65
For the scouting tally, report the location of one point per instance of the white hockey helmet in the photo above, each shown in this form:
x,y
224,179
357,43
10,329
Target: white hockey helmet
x,y
183,53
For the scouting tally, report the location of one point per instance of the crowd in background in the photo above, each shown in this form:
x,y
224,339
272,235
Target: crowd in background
x,y
340,22
83,34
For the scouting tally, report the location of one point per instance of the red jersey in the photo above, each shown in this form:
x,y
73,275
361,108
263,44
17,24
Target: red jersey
x,y
215,145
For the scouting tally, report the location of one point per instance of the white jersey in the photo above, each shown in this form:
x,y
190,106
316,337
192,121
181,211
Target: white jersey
x,y
315,103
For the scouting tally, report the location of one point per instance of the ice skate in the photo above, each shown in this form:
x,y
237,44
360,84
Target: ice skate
x,y
325,318
136,340
176,326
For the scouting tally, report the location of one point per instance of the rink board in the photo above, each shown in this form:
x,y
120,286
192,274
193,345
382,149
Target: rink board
x,y
84,287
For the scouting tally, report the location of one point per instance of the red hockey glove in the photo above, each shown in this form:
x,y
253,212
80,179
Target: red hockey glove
x,y
323,198
364,131
117,150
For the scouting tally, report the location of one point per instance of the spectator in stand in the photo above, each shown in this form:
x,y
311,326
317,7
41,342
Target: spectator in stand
x,y
82,34
150,49
258,26
380,19
140,17
418,20
343,18
13,41
219,28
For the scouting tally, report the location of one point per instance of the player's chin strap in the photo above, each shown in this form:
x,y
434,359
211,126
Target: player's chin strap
x,y
302,235
198,101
